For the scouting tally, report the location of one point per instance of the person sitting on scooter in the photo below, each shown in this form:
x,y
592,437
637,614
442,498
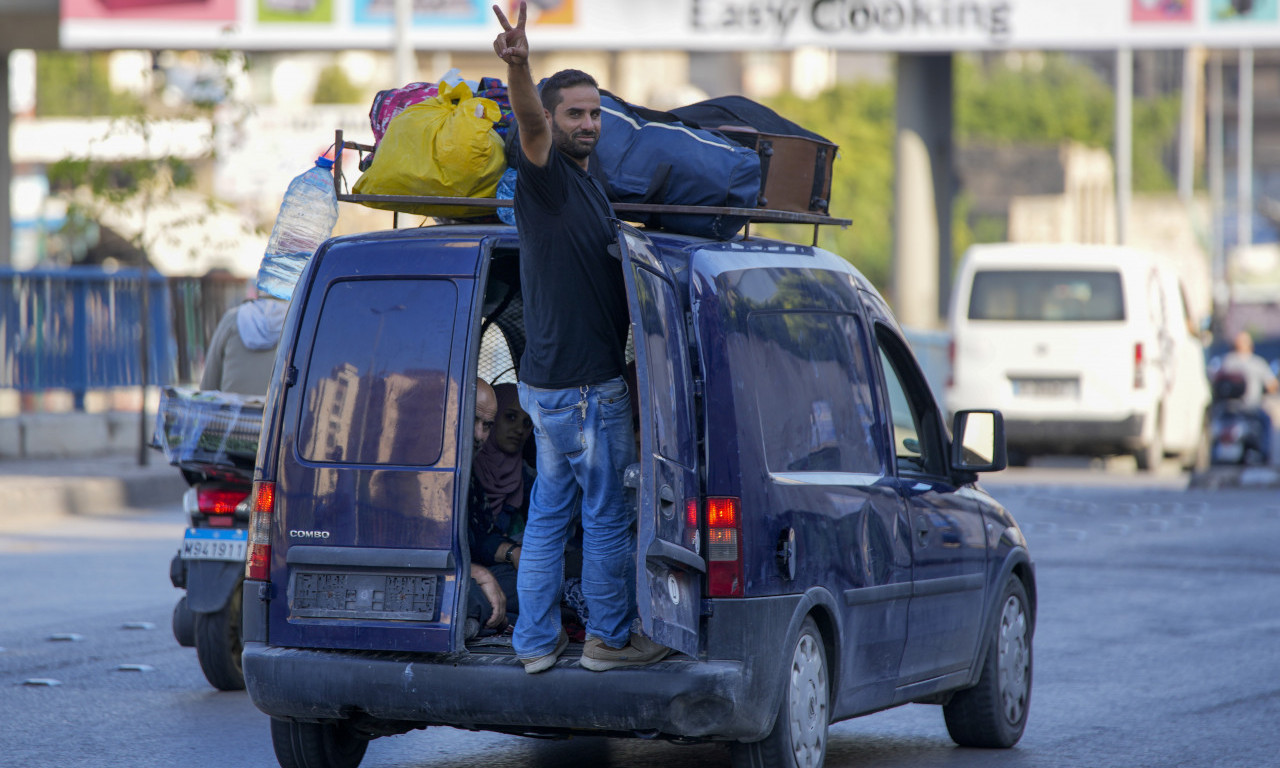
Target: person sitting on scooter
x,y
1257,374
1258,380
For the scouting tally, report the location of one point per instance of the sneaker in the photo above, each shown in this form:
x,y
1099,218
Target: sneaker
x,y
547,660
639,651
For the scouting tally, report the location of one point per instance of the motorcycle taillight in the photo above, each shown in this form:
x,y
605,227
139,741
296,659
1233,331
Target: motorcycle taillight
x,y
220,501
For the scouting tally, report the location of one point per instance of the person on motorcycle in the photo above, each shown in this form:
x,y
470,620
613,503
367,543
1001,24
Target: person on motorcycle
x,y
1257,374
243,348
1258,380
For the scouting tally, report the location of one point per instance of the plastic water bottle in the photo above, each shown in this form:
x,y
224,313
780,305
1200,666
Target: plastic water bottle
x,y
306,219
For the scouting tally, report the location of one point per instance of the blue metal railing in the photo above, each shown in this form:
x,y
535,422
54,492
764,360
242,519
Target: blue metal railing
x,y
81,328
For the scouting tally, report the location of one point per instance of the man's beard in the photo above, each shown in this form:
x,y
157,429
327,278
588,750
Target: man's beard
x,y
568,142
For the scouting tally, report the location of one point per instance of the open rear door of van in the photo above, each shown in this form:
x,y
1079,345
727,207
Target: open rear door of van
x,y
669,565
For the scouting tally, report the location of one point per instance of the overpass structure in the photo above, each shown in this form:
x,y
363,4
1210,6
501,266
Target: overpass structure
x,y
923,33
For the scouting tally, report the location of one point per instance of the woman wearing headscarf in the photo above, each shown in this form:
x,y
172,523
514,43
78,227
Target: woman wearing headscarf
x,y
503,480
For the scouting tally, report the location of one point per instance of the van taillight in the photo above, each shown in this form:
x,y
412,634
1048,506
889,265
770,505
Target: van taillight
x,y
1138,374
724,548
264,502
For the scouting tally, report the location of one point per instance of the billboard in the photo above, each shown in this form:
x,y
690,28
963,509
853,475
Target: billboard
x,y
871,25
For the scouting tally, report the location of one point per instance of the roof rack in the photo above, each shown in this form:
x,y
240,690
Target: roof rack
x,y
753,215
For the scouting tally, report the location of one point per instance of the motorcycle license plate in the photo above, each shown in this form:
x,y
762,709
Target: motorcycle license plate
x,y
212,544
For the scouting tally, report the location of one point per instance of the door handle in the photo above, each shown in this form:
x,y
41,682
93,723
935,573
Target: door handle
x,y
667,500
922,532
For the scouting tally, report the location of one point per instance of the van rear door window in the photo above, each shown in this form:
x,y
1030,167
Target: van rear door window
x,y
812,392
377,381
1047,295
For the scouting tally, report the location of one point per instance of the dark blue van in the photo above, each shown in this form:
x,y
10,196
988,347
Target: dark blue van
x,y
812,540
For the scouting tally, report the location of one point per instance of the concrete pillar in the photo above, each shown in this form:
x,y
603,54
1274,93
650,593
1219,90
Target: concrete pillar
x,y
6,166
923,186
1124,142
1244,154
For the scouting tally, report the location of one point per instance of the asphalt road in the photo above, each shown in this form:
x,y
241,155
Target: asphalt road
x,y
1158,645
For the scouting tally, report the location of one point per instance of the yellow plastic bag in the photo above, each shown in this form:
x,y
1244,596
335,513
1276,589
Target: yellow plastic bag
x,y
441,147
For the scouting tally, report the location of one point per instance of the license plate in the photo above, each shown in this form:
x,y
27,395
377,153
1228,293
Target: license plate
x,y
339,595
211,544
1046,387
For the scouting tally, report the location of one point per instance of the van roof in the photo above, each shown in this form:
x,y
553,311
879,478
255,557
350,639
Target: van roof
x,y
1054,255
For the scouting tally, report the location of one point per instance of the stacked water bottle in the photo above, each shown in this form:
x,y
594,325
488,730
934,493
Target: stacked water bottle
x,y
306,219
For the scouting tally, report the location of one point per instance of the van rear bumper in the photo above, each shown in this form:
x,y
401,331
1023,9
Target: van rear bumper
x,y
677,697
1068,435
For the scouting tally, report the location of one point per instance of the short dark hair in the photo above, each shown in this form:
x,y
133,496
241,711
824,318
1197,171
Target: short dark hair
x,y
565,78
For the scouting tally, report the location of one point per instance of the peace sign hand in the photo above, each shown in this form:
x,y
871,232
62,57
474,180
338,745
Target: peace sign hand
x,y
511,45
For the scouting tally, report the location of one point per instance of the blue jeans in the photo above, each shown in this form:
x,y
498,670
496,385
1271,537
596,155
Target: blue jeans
x,y
585,442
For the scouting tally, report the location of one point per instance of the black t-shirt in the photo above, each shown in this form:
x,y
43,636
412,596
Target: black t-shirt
x,y
575,304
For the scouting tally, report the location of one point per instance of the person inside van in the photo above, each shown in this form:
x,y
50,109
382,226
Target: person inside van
x,y
571,373
488,597
500,482
504,479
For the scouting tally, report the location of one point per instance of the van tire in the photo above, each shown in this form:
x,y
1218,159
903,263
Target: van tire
x,y
1150,456
1197,459
219,645
316,745
993,713
799,735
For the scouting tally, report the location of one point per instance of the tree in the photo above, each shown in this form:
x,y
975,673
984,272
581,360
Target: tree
x,y
334,87
1057,99
76,85
859,118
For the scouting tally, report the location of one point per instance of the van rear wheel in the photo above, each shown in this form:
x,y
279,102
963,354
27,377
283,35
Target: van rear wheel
x,y
1150,456
316,745
799,735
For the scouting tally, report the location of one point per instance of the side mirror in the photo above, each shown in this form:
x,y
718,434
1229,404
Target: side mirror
x,y
978,442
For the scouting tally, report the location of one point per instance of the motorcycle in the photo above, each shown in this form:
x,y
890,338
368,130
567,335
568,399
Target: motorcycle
x,y
212,438
1239,432
210,567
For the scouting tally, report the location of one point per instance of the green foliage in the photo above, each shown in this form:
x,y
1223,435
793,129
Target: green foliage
x,y
1059,99
77,85
859,118
334,87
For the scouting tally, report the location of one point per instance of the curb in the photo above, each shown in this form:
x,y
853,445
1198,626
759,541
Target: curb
x,y
1216,478
34,491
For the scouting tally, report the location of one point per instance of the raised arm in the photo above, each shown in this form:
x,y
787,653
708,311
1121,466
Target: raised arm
x,y
512,46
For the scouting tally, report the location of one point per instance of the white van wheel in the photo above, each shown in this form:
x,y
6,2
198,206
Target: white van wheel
x,y
1151,455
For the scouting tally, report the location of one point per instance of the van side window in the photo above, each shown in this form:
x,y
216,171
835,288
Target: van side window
x,y
376,389
915,441
813,393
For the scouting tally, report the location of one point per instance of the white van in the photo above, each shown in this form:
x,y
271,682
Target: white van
x,y
1087,349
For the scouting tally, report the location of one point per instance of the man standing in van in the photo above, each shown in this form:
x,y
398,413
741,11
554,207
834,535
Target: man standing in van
x,y
571,372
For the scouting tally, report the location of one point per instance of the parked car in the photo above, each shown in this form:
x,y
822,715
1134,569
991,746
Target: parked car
x,y
1086,349
812,540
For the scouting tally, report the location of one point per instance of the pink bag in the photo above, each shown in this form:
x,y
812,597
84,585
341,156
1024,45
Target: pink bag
x,y
387,104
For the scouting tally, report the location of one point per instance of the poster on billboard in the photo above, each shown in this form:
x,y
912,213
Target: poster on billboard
x,y
151,10
1228,11
1164,10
